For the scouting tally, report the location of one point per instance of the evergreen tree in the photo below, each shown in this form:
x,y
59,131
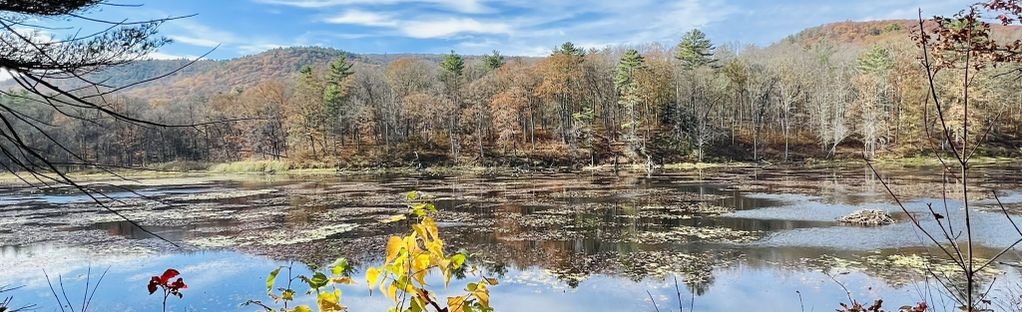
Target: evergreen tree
x,y
306,72
628,96
877,60
569,48
625,75
453,64
493,61
335,91
695,50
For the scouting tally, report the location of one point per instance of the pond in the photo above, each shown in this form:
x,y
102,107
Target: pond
x,y
733,238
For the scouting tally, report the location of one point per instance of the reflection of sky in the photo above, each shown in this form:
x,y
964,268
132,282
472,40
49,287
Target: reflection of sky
x,y
220,281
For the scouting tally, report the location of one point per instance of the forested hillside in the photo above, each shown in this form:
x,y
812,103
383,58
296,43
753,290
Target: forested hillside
x,y
839,90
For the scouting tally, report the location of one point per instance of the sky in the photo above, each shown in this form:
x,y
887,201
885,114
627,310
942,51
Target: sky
x,y
514,27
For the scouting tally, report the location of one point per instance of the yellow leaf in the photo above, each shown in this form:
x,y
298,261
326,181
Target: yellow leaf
x,y
342,280
393,247
302,308
482,294
412,245
392,291
492,281
420,266
456,304
394,218
372,277
420,230
430,227
329,302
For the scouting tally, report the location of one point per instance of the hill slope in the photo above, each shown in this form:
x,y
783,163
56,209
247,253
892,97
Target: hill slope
x,y
208,77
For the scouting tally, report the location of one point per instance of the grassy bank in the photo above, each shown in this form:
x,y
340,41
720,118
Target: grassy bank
x,y
284,167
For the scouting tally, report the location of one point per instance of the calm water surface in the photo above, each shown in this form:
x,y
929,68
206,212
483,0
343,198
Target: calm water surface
x,y
736,239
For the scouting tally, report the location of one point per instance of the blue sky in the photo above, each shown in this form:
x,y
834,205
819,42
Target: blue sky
x,y
515,27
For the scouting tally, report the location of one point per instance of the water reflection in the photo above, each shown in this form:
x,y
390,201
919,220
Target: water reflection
x,y
566,242
221,281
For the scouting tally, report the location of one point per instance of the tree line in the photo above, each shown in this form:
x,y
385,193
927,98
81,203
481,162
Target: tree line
x,y
650,104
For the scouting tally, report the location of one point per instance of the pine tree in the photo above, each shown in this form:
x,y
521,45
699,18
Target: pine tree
x,y
695,50
335,91
624,81
630,62
569,48
493,61
453,64
877,60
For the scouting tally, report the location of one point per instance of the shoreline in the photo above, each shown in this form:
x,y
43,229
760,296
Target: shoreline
x,y
286,168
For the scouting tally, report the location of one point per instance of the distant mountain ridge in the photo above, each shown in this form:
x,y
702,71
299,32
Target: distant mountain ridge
x,y
209,77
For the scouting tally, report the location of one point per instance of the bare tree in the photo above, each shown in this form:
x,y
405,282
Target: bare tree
x,y
962,46
56,74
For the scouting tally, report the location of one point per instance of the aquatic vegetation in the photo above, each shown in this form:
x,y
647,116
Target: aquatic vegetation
x,y
695,233
264,166
222,195
697,268
304,235
169,288
402,276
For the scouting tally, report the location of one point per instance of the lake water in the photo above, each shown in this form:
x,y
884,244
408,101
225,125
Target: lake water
x,y
735,238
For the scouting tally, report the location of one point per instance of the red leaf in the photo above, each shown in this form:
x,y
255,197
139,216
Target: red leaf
x,y
153,284
179,284
167,275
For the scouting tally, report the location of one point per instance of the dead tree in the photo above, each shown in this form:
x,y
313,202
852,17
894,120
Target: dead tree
x,y
961,44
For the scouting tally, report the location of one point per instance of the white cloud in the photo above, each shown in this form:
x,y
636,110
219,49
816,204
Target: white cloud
x,y
440,27
203,32
465,6
258,47
167,56
451,26
359,17
195,41
202,35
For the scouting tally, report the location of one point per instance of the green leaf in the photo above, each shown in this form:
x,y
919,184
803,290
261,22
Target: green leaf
x,y
271,279
458,260
318,280
341,267
413,195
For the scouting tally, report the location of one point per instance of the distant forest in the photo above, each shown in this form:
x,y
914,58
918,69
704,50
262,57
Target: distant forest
x,y
842,90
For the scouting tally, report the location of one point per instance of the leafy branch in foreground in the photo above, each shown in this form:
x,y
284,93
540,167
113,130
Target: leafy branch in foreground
x,y
169,288
402,276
